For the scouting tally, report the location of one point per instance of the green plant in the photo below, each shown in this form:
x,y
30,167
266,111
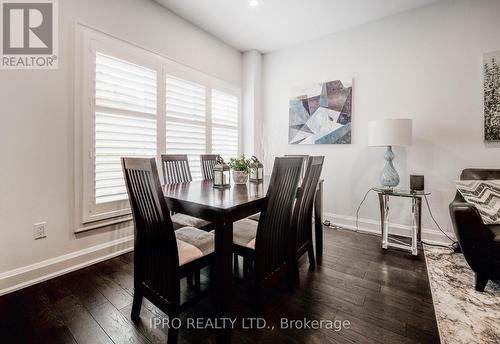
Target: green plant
x,y
240,164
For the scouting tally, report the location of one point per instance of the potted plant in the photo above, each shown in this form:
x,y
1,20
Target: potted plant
x,y
240,167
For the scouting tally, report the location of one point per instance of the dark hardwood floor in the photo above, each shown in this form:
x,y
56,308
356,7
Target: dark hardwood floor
x,y
385,296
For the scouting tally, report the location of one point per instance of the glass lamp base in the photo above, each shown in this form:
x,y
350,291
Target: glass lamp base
x,y
389,177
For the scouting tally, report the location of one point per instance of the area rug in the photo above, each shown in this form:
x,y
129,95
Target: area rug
x,y
463,314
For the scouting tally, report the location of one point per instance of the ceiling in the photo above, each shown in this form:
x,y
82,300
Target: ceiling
x,y
275,24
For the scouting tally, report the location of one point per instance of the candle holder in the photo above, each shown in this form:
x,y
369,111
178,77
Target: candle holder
x,y
221,174
256,170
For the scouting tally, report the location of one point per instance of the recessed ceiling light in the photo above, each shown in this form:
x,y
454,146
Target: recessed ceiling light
x,y
253,3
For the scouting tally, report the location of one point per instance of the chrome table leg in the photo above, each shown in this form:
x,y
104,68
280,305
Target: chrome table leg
x,y
414,225
385,227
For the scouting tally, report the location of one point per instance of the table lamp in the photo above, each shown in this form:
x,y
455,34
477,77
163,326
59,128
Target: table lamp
x,y
389,132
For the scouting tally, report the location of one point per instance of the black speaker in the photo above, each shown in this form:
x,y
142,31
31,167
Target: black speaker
x,y
416,183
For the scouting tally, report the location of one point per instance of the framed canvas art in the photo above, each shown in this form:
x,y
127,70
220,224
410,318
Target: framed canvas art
x,y
321,113
491,63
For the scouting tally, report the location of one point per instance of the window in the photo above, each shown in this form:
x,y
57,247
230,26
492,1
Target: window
x,y
225,133
138,103
186,121
125,122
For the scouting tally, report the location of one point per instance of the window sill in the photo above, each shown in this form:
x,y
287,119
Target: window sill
x,y
101,224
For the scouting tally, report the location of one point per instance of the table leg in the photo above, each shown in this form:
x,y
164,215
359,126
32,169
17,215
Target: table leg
x,y
384,218
414,226
223,276
318,222
419,219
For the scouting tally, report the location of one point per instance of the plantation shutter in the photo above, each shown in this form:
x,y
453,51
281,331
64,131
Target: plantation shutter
x,y
125,122
186,121
225,139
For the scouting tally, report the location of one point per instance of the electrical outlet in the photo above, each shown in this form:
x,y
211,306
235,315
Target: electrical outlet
x,y
39,231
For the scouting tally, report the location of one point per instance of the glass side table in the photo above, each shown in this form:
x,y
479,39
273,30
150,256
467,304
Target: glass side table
x,y
416,211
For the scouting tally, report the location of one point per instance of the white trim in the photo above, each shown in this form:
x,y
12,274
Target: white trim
x,y
104,224
152,51
35,273
98,43
209,123
373,226
161,130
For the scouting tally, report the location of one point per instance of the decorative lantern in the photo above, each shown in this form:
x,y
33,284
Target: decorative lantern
x,y
256,171
221,174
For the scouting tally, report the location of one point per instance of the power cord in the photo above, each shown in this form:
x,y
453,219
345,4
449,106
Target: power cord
x,y
454,242
359,207
451,247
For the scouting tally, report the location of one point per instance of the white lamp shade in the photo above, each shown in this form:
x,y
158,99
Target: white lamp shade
x,y
390,132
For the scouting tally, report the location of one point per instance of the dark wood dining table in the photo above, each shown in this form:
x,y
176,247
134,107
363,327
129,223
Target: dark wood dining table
x,y
223,207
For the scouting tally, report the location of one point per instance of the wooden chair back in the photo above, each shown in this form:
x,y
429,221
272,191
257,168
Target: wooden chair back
x,y
156,260
303,210
208,162
304,162
274,230
175,168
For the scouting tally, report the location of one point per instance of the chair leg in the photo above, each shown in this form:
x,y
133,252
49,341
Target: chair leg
x,y
310,253
173,335
290,278
189,279
212,273
136,304
294,271
259,302
235,264
481,281
197,274
246,267
212,280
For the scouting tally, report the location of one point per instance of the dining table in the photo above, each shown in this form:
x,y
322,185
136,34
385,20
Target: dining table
x,y
223,207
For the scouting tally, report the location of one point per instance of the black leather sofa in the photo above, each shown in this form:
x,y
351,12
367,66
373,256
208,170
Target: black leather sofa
x,y
480,243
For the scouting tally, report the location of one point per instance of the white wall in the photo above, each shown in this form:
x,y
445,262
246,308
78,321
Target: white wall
x,y
36,131
425,64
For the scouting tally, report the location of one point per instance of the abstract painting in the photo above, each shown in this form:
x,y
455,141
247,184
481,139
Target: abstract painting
x,y
321,113
492,96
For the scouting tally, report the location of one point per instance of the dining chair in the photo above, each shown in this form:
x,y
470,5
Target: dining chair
x,y
264,245
302,216
162,256
208,162
256,217
176,170
304,162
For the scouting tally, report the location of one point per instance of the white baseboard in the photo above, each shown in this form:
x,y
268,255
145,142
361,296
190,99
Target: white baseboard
x,y
373,226
35,273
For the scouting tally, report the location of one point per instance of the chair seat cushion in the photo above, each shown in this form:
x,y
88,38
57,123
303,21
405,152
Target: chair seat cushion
x,y
187,252
494,236
244,233
255,217
181,220
193,243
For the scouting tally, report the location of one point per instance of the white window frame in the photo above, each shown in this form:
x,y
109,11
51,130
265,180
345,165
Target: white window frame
x,y
88,41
